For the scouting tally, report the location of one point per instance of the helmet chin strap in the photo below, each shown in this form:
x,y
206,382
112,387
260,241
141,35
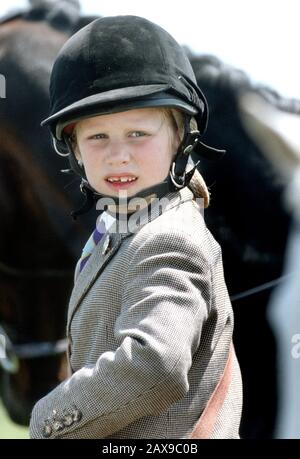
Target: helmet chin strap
x,y
92,196
177,178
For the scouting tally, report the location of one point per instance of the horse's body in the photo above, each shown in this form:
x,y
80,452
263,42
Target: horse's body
x,y
246,217
39,242
277,132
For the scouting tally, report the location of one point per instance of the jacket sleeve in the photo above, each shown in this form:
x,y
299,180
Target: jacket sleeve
x,y
166,298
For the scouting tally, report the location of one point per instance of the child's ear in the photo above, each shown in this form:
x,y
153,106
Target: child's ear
x,y
73,140
77,153
176,140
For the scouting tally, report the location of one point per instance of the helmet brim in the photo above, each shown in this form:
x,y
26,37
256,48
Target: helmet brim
x,y
114,101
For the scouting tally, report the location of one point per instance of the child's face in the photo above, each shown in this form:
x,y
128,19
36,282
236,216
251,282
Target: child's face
x,y
138,144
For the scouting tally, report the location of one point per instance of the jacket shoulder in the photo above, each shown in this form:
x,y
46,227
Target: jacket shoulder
x,y
179,228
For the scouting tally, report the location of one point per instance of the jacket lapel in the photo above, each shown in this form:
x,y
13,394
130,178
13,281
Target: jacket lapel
x,y
99,258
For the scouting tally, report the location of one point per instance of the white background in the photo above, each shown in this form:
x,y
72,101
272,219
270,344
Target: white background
x,y
259,36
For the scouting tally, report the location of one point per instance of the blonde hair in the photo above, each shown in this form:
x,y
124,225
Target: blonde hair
x,y
197,184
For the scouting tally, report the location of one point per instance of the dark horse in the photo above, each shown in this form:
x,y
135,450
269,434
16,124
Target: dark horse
x,y
40,241
248,218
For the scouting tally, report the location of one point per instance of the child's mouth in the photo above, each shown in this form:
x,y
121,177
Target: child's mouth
x,y
121,183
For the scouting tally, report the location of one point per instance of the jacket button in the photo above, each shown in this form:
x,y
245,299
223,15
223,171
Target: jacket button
x,y
46,430
76,414
58,425
68,420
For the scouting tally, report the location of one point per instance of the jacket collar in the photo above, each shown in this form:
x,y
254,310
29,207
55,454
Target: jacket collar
x,y
130,224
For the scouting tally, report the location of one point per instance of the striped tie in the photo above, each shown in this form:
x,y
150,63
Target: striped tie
x,y
93,240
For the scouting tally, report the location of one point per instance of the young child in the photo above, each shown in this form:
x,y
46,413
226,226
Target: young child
x,y
150,321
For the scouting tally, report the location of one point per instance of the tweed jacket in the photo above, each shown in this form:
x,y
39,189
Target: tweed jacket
x,y
149,325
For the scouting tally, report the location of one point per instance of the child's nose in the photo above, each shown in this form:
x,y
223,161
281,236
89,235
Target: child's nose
x,y
118,153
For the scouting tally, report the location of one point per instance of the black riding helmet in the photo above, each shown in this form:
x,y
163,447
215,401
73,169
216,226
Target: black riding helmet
x,y
120,63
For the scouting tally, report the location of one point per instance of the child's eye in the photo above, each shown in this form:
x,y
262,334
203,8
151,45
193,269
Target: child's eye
x,y
98,136
137,134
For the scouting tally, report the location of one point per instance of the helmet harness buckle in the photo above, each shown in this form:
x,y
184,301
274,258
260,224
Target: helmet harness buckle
x,y
178,174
